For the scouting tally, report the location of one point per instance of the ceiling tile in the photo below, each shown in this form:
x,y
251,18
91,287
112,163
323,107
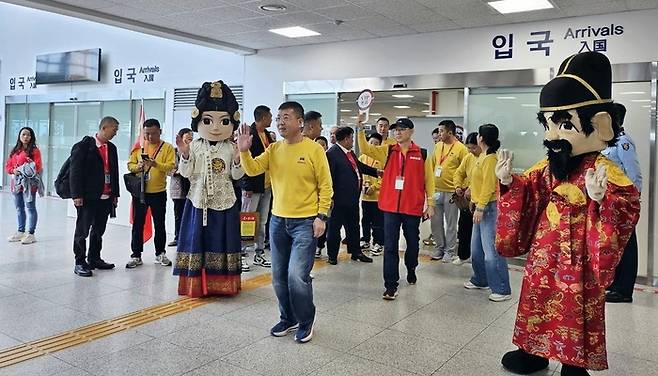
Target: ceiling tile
x,y
483,21
354,35
331,28
125,11
284,20
465,9
346,12
89,4
437,26
641,4
255,6
316,4
225,13
405,12
601,7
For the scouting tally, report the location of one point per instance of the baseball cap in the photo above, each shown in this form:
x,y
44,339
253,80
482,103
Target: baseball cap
x,y
402,123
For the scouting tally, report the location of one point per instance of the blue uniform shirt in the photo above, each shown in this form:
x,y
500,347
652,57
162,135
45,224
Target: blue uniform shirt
x,y
625,156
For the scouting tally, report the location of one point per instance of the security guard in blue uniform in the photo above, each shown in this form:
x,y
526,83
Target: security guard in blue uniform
x,y
625,156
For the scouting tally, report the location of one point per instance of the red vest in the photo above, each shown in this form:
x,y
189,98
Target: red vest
x,y
411,199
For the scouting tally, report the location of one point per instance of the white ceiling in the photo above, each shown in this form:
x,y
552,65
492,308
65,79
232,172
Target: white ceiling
x,y
241,24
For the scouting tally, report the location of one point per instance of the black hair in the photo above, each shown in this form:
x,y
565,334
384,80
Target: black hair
x,y
295,106
183,131
260,112
322,138
616,111
312,115
489,134
472,138
343,133
383,119
31,145
106,120
449,125
152,123
376,136
435,131
215,96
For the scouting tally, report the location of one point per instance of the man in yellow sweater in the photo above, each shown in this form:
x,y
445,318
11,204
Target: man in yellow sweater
x,y
302,189
448,155
154,160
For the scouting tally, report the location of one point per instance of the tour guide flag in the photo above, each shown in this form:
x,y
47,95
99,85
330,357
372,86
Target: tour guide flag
x,y
139,144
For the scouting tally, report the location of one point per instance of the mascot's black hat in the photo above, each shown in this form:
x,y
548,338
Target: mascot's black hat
x,y
583,79
215,96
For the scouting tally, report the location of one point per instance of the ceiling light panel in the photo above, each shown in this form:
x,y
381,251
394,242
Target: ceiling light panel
x,y
295,32
517,6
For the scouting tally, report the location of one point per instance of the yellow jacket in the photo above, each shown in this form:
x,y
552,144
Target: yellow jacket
x,y
165,161
484,182
447,158
462,178
373,182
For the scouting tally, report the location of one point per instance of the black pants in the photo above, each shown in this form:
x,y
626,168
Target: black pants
x,y
626,271
347,216
464,234
179,205
372,221
411,230
92,215
158,204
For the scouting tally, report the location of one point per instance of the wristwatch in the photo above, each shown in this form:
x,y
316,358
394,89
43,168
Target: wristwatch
x,y
322,217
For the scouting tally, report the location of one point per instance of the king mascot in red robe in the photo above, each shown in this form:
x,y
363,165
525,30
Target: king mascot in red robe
x,y
572,214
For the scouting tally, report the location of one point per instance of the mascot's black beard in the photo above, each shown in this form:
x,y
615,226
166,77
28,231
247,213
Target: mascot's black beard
x,y
561,163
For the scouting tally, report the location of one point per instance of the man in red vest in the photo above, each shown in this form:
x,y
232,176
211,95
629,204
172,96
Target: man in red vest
x,y
406,196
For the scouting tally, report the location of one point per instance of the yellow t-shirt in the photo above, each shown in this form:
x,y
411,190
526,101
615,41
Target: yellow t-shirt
x,y
484,182
165,161
446,159
373,182
301,181
264,141
462,178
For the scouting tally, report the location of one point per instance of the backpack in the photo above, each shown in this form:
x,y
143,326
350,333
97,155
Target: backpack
x,y
62,183
423,152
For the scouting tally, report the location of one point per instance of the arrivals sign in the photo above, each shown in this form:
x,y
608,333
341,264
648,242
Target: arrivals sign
x,y
583,39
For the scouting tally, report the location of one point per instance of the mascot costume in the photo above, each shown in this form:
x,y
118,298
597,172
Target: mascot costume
x,y
572,213
208,258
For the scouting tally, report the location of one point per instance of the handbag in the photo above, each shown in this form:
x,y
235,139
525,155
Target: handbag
x,y
133,181
460,201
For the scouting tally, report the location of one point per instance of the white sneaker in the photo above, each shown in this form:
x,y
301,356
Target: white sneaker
x,y
16,237
28,239
318,253
162,260
447,258
499,297
458,261
437,255
469,285
376,250
244,264
364,245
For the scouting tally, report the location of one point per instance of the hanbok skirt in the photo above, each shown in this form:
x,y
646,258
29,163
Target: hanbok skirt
x,y
208,257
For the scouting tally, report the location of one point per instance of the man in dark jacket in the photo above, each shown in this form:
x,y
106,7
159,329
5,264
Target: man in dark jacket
x,y
94,183
346,174
258,189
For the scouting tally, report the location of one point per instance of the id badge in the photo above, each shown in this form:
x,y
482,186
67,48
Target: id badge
x,y
399,183
147,176
438,171
107,178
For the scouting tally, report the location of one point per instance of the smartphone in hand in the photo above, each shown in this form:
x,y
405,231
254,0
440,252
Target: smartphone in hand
x,y
145,157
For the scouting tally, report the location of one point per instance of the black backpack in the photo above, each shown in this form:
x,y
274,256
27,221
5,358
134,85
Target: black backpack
x,y
62,183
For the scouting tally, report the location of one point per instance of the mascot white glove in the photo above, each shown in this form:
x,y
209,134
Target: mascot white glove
x,y
596,182
504,166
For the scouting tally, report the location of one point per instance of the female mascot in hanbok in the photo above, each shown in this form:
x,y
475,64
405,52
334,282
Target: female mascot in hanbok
x,y
208,259
573,214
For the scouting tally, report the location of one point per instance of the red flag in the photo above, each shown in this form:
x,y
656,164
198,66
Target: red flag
x,y
139,144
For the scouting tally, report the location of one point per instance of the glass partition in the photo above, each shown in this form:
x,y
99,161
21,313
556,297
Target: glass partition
x,y
15,120
326,104
120,110
62,138
153,109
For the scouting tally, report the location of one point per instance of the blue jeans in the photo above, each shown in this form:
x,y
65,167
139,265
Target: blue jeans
x,y
411,230
489,268
293,251
21,204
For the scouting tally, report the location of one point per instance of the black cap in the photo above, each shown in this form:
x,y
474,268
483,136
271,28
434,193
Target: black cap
x,y
402,122
215,96
583,79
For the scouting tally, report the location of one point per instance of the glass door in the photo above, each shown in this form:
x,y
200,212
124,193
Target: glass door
x,y
62,137
16,114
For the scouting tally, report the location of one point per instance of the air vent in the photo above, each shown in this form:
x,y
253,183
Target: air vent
x,y
184,97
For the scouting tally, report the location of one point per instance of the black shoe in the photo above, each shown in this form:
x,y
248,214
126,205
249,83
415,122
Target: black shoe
x,y
568,370
100,264
82,271
522,363
411,276
361,257
615,297
344,241
332,261
390,294
173,243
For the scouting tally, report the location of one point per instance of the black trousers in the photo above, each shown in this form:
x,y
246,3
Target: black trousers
x,y
179,205
158,204
372,221
464,234
91,216
626,271
347,216
411,230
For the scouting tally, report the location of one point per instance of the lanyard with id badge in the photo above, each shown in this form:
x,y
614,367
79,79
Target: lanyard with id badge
x,y
439,169
399,180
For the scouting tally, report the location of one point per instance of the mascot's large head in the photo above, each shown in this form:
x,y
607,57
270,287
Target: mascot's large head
x,y
577,112
215,115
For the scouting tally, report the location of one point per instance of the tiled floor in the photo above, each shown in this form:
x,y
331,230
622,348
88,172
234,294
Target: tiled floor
x,y
434,328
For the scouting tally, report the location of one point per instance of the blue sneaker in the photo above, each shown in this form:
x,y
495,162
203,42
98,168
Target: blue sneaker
x,y
283,328
305,332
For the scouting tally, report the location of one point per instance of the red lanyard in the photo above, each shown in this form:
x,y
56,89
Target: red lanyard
x,y
443,158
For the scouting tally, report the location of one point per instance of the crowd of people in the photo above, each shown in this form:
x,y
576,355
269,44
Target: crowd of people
x,y
306,191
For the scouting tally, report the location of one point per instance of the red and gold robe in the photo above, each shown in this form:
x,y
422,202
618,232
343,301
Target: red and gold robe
x,y
574,245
